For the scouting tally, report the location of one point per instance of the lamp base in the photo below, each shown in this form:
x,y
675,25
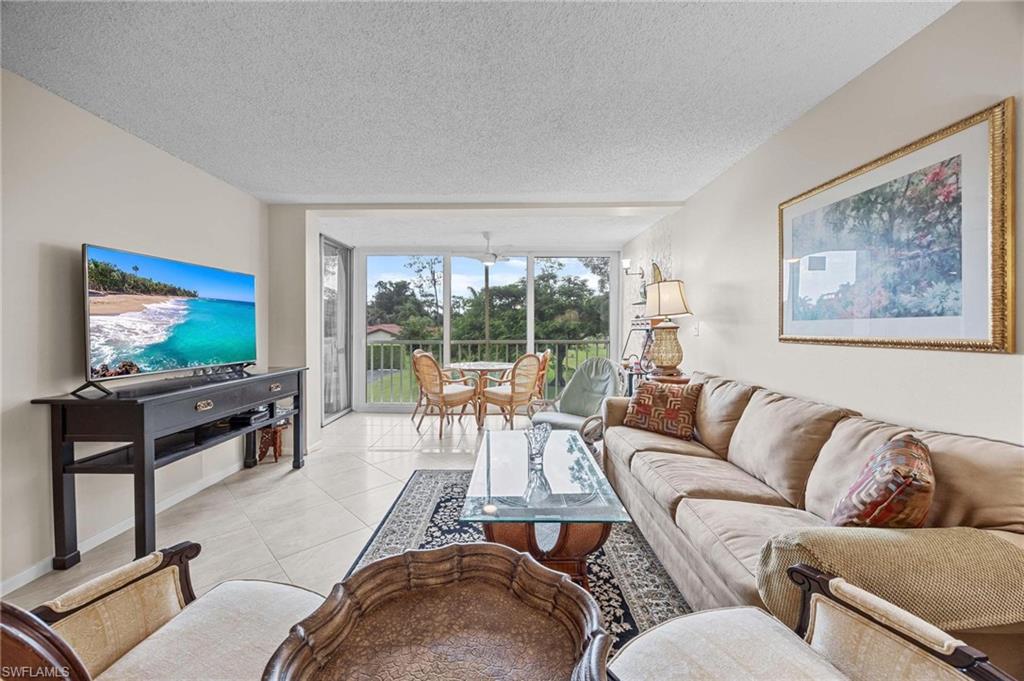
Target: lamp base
x,y
666,352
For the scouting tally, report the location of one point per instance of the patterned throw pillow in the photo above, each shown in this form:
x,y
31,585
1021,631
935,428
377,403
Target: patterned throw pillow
x,y
894,489
663,408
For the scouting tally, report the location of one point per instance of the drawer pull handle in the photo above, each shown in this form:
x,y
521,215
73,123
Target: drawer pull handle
x,y
275,387
204,405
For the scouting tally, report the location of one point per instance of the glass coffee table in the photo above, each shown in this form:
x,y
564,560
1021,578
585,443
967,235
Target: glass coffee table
x,y
558,508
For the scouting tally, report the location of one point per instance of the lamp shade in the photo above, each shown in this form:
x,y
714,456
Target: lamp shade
x,y
666,299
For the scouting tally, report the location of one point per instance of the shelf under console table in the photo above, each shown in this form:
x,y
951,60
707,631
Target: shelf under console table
x,y
156,424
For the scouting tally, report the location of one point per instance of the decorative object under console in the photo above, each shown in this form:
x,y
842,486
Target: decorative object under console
x,y
463,611
159,427
912,250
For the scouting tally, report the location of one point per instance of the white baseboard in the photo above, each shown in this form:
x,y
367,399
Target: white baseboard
x,y
44,566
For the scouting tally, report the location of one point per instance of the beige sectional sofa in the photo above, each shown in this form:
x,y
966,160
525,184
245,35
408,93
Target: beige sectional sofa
x,y
752,493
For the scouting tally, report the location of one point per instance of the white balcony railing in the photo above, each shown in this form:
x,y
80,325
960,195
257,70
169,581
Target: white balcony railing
x,y
390,379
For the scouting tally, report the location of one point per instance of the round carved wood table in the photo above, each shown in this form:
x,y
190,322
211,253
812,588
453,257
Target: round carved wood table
x,y
473,612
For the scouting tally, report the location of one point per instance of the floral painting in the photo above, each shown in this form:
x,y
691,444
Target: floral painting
x,y
913,249
895,250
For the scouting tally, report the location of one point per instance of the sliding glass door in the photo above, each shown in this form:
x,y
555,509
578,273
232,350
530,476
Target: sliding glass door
x,y
571,314
488,313
461,309
404,312
335,287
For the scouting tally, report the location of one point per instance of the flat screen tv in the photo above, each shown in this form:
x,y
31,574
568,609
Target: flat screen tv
x,y
146,315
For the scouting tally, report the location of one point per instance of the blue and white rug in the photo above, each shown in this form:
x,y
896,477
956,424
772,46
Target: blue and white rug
x,y
626,578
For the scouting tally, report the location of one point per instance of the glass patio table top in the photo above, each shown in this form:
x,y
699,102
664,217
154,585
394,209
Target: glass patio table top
x,y
483,366
565,486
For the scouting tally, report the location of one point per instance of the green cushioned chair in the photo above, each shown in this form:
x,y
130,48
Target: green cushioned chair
x,y
581,398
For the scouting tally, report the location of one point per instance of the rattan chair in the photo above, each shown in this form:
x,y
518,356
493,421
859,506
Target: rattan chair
x,y
439,393
542,374
513,392
450,373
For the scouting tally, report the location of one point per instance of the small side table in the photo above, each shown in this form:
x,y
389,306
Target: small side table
x,y
632,378
271,437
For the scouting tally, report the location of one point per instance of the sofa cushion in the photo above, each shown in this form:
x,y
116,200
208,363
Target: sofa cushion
x,y
665,409
719,408
842,458
671,477
727,643
228,633
700,377
778,438
559,420
894,489
730,534
978,482
623,442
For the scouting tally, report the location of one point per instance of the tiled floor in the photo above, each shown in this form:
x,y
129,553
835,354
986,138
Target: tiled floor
x,y
273,522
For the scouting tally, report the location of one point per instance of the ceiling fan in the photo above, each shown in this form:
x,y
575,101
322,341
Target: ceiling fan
x,y
490,257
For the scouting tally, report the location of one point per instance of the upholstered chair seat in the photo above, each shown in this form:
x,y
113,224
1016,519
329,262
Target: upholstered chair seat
x,y
729,643
502,393
558,420
229,633
456,391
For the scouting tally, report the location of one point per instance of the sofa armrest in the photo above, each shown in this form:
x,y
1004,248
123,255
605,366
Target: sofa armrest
x,y
613,411
109,615
956,578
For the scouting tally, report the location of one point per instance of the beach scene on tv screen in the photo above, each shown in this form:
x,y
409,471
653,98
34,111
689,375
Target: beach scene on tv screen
x,y
150,314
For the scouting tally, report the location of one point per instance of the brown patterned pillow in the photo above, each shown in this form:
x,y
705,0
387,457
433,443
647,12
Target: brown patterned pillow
x,y
894,489
665,409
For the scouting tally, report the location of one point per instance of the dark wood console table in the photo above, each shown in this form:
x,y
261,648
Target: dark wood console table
x,y
155,425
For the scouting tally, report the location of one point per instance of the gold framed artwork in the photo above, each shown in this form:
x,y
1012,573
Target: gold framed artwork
x,y
912,250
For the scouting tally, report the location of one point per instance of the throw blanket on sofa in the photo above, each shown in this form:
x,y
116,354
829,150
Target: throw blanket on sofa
x,y
957,578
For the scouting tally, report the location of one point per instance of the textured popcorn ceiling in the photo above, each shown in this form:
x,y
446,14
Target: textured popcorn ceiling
x,y
453,102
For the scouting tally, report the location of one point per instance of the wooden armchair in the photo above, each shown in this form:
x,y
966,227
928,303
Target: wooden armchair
x,y
143,621
844,634
542,374
453,374
513,392
441,394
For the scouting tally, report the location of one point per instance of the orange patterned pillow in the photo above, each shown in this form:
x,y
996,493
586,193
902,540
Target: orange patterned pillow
x,y
665,409
894,489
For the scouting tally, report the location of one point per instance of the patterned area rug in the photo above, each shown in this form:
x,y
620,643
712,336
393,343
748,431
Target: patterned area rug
x,y
627,579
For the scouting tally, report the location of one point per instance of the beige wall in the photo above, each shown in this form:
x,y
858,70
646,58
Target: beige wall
x,y
68,178
295,302
723,242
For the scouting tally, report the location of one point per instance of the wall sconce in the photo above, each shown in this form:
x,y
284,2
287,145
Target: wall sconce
x,y
626,262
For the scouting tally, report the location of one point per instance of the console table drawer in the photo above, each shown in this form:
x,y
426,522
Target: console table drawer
x,y
270,389
195,410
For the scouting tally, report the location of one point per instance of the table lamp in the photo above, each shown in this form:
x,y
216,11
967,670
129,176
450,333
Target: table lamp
x,y
666,299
